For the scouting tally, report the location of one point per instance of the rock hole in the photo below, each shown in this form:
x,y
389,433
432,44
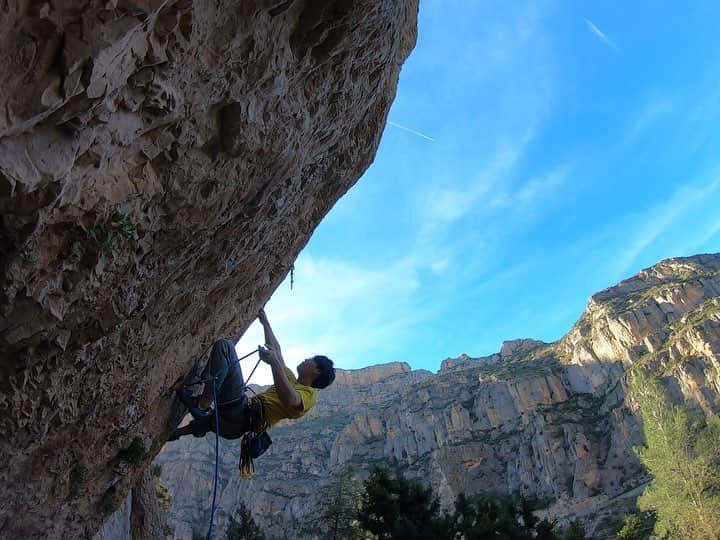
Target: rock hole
x,y
185,25
207,189
322,51
280,8
231,128
5,186
309,28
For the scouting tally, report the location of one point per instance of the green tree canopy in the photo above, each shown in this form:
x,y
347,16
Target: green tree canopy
x,y
486,516
393,507
575,531
637,527
244,527
682,452
340,504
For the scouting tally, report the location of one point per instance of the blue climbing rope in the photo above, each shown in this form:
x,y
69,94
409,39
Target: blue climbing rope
x,y
217,454
217,434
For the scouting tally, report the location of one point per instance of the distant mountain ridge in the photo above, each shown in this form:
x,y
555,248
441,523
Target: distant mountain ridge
x,y
543,420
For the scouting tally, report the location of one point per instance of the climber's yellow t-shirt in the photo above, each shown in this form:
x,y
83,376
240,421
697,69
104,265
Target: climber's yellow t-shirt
x,y
276,411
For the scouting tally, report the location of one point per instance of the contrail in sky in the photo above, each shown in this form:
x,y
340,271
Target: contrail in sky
x,y
411,131
600,34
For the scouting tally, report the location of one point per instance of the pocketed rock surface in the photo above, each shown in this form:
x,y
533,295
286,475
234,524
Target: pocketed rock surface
x,y
161,166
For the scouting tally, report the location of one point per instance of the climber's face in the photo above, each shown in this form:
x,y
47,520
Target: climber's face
x,y
308,367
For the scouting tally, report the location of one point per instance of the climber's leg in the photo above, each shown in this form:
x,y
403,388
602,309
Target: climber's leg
x,y
223,363
197,427
191,404
229,429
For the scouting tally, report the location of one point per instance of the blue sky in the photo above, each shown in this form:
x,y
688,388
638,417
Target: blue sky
x,y
573,145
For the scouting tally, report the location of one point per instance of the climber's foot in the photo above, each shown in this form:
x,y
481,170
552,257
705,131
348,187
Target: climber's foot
x,y
191,404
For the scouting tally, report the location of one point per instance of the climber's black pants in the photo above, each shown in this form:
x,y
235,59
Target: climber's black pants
x,y
228,429
229,392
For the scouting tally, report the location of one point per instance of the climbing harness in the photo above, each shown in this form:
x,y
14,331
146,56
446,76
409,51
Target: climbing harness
x,y
216,406
256,440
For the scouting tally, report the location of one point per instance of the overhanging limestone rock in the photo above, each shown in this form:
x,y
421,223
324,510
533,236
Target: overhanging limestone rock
x,y
161,166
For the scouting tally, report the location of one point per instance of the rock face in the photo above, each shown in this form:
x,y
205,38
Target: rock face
x,y
543,420
509,350
162,163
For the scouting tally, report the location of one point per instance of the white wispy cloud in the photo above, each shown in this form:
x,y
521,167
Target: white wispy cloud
x,y
511,97
709,234
542,187
444,206
342,310
600,34
467,230
441,231
648,114
529,197
648,228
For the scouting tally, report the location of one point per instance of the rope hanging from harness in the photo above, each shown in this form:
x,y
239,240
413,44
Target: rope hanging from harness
x,y
213,378
217,452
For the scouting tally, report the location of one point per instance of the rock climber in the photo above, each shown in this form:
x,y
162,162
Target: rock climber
x,y
289,397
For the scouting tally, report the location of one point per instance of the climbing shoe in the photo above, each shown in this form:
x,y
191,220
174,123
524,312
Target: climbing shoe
x,y
191,404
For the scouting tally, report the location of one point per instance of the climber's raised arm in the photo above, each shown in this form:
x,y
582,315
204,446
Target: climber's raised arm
x,y
289,397
270,339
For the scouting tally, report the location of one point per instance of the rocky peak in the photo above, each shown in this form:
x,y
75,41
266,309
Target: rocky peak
x,y
517,347
510,349
464,361
369,375
652,315
669,271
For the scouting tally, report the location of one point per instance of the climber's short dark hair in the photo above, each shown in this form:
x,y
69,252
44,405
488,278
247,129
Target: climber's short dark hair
x,y
327,372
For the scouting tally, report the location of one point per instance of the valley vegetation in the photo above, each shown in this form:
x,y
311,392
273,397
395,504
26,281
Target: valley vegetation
x,y
682,453
389,506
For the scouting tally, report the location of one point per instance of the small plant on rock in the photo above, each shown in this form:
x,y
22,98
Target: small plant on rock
x,y
110,235
134,453
107,503
78,480
163,496
28,255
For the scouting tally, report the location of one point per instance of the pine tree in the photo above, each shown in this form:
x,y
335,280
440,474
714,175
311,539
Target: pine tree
x,y
527,507
395,508
575,531
340,502
682,452
244,528
637,527
490,516
486,516
547,530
